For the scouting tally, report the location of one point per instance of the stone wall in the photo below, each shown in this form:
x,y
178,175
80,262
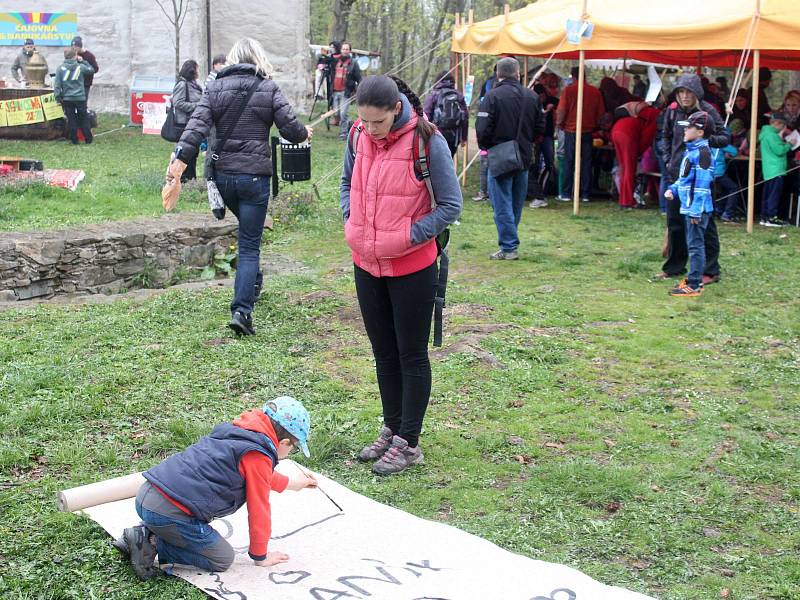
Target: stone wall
x,y
109,257
134,37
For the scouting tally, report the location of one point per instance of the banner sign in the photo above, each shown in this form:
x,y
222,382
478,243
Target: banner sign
x,y
45,29
52,109
27,111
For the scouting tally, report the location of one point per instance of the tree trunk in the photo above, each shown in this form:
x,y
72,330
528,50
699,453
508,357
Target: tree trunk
x,y
436,35
341,18
177,48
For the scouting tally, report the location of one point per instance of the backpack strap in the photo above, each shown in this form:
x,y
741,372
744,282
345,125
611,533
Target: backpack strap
x,y
423,172
352,138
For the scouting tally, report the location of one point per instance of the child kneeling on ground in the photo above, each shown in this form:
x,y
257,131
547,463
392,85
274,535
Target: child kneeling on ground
x,y
697,204
213,478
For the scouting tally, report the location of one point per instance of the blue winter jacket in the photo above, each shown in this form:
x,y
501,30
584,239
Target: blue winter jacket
x,y
720,159
693,186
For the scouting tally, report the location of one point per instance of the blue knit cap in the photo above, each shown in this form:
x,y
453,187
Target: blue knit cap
x,y
292,416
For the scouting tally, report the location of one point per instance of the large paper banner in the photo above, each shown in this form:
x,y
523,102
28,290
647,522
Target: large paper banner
x,y
369,550
52,109
24,111
45,29
3,121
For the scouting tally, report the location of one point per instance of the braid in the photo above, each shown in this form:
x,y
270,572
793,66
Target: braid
x,y
424,127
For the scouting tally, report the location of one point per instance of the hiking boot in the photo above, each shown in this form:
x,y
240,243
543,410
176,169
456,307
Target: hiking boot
x,y
709,279
376,449
685,290
142,551
121,545
503,255
398,458
242,324
539,203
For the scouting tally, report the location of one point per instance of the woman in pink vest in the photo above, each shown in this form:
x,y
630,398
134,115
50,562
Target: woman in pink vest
x,y
391,228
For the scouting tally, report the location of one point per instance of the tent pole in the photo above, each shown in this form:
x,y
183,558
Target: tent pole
x,y
751,164
465,157
576,182
525,81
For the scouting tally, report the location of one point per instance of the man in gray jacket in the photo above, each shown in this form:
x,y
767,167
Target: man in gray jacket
x,y
70,92
21,61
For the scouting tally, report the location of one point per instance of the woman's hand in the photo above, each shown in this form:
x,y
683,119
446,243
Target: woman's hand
x,y
310,131
273,558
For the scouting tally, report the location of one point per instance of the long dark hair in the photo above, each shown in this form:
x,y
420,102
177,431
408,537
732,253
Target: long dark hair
x,y
383,91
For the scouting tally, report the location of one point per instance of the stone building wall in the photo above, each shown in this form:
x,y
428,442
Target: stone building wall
x,y
109,257
133,36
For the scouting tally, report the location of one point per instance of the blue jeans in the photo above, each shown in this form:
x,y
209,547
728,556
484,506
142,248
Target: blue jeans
x,y
247,197
339,102
187,541
570,140
696,243
507,195
771,197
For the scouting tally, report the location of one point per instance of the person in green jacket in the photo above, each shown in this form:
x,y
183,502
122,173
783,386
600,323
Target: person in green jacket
x,y
773,166
69,91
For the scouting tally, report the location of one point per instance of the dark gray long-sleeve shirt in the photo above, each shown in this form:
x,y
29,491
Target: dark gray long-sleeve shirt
x,y
443,180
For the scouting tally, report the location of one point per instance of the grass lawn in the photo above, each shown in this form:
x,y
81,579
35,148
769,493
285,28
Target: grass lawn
x,y
579,415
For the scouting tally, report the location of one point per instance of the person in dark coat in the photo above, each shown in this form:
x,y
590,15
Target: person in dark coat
x,y
244,168
499,121
88,57
764,110
455,136
185,96
688,100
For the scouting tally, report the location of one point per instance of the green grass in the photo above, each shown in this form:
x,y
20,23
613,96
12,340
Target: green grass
x,y
656,443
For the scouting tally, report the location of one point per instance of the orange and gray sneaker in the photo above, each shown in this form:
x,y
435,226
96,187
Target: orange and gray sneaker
x,y
684,289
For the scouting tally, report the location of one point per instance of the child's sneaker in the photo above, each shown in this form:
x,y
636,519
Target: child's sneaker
x,y
772,222
142,551
398,458
376,449
685,290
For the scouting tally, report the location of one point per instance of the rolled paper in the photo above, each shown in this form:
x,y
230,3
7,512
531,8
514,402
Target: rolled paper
x,y
111,490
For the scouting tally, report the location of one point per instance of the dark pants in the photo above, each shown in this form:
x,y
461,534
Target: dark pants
x,y
507,195
187,541
678,252
729,196
247,197
570,140
696,243
771,197
77,117
397,314
451,136
548,180
191,170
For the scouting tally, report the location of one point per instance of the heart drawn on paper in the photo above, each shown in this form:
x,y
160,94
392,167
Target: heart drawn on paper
x,y
289,577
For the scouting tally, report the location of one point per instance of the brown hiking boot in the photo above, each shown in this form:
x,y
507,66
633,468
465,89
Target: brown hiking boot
x,y
376,449
398,458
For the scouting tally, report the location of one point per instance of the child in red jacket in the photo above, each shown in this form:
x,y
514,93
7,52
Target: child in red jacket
x,y
213,478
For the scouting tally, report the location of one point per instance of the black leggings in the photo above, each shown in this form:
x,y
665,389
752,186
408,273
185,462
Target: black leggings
x,y
397,314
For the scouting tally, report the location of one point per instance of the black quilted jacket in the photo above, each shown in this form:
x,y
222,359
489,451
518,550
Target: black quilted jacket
x,y
247,149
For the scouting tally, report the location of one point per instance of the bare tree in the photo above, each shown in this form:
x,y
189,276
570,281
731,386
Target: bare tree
x,y
341,18
175,11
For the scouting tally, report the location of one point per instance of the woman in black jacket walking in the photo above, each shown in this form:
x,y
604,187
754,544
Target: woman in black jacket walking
x,y
244,166
185,96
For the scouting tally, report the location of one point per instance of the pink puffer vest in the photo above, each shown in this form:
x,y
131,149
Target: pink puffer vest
x,y
385,199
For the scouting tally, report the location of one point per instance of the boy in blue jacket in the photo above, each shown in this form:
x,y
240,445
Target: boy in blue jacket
x,y
693,187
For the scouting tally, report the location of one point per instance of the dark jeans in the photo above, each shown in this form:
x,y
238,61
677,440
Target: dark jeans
x,y
247,197
187,541
729,196
696,243
548,180
484,174
397,314
507,195
771,197
451,137
77,117
678,252
570,140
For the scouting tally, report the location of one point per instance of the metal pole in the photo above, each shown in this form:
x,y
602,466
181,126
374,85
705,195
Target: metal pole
x,y
576,181
751,163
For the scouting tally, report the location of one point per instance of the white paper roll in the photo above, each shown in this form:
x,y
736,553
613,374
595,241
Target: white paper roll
x,y
111,490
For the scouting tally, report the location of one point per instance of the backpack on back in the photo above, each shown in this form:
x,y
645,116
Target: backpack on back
x,y
448,113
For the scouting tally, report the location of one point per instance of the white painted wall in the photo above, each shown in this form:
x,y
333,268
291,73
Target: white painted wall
x,y
133,36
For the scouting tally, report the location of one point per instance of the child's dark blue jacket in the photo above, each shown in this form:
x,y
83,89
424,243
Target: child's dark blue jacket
x,y
696,178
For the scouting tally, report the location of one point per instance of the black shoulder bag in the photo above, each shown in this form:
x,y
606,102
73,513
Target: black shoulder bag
x,y
505,158
171,130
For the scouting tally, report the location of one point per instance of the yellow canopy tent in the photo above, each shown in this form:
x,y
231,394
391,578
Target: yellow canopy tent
x,y
688,32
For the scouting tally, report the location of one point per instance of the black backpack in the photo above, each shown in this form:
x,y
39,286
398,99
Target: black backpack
x,y
448,113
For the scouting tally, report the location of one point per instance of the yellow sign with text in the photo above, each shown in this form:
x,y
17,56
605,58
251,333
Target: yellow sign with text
x,y
27,111
52,109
